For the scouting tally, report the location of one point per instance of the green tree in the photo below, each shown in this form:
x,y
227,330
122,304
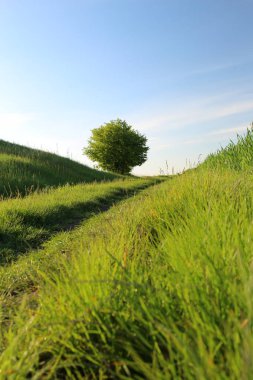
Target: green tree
x,y
117,147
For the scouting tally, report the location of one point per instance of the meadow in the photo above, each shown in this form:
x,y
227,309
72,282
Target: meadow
x,y
159,286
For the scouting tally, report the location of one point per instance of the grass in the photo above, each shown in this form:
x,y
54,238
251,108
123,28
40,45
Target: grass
x,y
235,156
25,223
23,170
158,287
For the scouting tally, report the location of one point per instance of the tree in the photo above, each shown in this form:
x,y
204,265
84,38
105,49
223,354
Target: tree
x,y
117,147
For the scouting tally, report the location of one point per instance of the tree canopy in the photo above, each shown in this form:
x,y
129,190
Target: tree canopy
x,y
117,147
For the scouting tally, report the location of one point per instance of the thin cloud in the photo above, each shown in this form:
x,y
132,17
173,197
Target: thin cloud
x,y
228,131
220,67
194,113
210,136
174,143
14,120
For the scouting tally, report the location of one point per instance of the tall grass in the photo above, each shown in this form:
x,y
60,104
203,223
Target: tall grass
x,y
235,156
159,287
23,170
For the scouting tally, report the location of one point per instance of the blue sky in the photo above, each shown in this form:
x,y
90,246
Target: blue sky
x,y
179,71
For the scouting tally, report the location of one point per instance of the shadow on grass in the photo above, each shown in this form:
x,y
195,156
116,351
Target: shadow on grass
x,y
34,229
38,175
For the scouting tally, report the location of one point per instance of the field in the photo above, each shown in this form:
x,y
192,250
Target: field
x,y
156,286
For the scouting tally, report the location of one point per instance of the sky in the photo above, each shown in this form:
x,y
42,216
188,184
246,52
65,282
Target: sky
x,y
178,71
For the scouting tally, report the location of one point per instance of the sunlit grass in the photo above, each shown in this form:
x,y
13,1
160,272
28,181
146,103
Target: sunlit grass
x,y
235,156
26,222
158,287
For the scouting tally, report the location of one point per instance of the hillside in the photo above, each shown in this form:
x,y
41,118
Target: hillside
x,y
24,169
157,287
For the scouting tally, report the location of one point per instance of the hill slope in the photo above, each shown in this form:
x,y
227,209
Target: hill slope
x,y
23,169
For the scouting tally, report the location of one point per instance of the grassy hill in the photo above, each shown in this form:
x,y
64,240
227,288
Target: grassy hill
x,y
24,169
158,287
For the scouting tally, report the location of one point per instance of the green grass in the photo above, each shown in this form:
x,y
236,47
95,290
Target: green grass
x,y
23,170
158,287
235,156
25,223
